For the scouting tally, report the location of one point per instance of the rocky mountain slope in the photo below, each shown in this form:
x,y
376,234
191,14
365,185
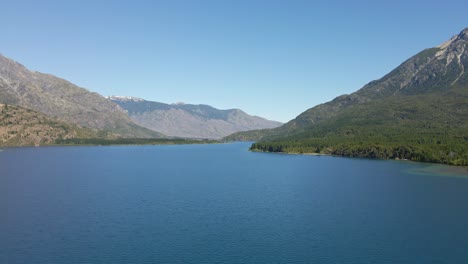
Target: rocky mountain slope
x,y
437,69
188,120
24,127
418,111
61,99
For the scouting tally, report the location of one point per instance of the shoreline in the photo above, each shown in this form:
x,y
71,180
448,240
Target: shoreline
x,y
112,144
431,167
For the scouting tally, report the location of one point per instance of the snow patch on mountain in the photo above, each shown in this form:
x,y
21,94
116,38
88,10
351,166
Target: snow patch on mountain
x,y
124,98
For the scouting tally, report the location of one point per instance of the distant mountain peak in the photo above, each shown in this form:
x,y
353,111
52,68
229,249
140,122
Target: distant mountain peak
x,y
189,120
432,73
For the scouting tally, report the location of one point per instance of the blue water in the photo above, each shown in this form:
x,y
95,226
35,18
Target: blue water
x,y
223,204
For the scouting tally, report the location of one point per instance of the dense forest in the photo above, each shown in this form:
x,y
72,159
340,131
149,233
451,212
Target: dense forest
x,y
427,128
448,148
418,111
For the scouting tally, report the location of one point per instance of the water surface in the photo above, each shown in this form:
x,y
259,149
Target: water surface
x,y
223,204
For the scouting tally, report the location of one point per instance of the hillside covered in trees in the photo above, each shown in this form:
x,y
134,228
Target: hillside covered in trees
x,y
419,111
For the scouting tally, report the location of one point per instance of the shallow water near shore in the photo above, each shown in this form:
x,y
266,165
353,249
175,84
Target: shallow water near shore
x,y
441,170
223,204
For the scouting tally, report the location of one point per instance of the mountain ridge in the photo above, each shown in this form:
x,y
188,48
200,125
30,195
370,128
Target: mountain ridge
x,y
190,120
420,107
59,98
408,78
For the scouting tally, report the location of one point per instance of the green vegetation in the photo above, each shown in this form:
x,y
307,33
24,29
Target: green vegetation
x,y
427,128
450,148
418,111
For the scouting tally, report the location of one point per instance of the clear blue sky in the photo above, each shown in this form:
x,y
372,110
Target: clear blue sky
x,y
270,58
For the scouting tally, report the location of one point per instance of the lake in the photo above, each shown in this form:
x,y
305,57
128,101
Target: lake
x,y
223,204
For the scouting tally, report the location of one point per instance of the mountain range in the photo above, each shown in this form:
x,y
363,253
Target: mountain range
x,y
418,111
65,101
36,99
189,120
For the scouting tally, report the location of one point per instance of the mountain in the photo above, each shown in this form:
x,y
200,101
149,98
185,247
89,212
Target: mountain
x,y
418,111
23,127
61,99
188,120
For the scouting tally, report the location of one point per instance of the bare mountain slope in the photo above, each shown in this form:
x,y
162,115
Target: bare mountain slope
x,y
61,99
188,120
23,127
